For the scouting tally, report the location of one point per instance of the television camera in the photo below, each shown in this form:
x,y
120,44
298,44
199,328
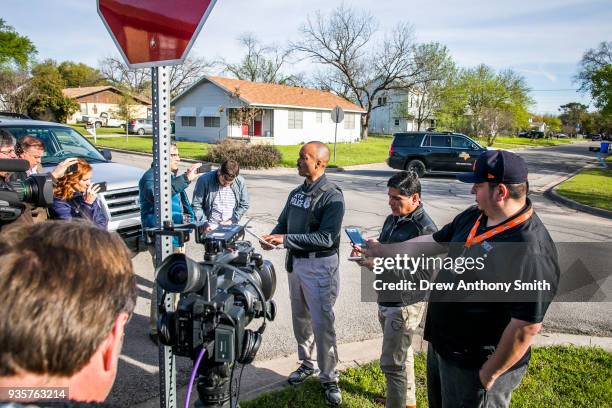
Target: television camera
x,y
219,297
36,190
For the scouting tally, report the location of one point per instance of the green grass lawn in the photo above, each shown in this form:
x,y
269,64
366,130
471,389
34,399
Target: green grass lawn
x,y
374,150
560,376
80,127
591,187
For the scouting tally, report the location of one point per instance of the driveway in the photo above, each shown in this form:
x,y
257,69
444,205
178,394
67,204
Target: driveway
x,y
364,189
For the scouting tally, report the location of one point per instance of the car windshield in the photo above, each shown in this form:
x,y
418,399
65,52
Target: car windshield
x,y
60,142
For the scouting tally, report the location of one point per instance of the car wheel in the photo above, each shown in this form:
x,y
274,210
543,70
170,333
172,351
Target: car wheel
x,y
98,125
416,166
141,131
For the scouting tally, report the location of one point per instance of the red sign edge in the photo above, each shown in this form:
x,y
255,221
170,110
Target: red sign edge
x,y
158,63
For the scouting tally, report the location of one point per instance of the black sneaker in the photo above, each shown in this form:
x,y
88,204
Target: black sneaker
x,y
301,374
333,396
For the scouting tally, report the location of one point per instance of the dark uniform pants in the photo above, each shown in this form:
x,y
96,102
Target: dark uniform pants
x,y
449,385
313,289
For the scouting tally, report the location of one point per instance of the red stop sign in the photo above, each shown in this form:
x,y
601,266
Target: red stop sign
x,y
154,32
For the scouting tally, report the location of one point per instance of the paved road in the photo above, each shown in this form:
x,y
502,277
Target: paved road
x,y
365,194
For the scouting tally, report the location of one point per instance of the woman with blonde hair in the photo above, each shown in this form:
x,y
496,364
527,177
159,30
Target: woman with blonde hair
x,y
76,197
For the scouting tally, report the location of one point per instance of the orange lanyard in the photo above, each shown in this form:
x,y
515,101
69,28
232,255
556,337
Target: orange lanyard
x,y
472,239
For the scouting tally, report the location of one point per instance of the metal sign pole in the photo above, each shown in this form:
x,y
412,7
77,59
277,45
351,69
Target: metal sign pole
x,y
163,212
335,138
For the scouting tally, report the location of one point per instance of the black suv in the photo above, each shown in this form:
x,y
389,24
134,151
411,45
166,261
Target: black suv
x,y
425,152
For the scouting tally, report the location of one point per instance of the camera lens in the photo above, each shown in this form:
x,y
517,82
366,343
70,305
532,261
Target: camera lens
x,y
177,273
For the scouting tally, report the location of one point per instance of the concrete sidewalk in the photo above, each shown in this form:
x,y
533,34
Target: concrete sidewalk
x,y
271,375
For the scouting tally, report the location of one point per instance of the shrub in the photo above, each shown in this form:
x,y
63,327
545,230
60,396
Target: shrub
x,y
247,155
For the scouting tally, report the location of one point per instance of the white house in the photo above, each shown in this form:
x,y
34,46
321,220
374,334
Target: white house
x,y
396,111
285,114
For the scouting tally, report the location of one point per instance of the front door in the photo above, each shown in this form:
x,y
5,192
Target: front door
x,y
257,126
245,129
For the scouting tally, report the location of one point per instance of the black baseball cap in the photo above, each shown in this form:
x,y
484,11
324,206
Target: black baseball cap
x,y
497,166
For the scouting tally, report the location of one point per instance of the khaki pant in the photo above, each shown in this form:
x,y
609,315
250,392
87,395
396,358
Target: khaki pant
x,y
153,312
397,357
313,289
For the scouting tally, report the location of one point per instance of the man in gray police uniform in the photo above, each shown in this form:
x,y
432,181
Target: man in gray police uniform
x,y
309,227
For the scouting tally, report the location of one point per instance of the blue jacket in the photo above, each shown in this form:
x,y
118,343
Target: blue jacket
x,y
205,191
180,202
76,207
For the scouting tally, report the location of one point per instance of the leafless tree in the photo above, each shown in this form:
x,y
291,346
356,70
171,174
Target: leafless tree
x,y
15,91
138,81
435,69
261,63
358,69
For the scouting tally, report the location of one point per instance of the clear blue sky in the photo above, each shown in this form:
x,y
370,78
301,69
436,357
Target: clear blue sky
x,y
541,39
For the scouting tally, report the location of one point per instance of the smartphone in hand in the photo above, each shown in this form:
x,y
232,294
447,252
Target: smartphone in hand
x,y
102,187
205,168
355,236
72,168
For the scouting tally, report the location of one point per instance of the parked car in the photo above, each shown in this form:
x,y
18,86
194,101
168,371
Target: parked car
x,y
533,134
140,126
120,201
105,119
595,137
429,152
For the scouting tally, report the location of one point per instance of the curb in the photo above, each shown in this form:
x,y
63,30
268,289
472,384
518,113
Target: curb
x,y
114,149
552,195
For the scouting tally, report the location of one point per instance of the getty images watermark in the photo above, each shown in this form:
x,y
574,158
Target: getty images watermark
x,y
510,272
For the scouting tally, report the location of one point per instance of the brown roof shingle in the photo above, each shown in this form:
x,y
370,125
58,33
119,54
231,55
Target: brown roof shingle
x,y
89,90
257,93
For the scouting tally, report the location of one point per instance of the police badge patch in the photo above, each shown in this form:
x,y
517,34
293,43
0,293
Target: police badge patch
x,y
307,201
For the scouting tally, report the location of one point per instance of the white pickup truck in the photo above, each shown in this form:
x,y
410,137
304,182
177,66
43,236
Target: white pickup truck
x,y
104,119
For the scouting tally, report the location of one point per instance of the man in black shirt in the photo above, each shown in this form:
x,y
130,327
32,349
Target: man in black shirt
x,y
309,227
478,351
399,312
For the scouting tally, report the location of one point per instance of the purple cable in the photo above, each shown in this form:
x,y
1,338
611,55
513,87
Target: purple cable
x,y
192,378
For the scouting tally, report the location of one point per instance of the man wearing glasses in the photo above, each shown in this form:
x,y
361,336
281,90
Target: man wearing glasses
x,y
182,212
220,197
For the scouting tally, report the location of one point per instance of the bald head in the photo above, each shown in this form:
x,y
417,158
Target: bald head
x,y
313,160
318,151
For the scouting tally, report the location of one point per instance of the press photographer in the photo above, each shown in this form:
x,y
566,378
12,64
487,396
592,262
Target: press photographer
x,y
18,197
219,297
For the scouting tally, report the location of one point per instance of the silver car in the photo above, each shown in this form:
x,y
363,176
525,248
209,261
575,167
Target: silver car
x,y
120,200
140,126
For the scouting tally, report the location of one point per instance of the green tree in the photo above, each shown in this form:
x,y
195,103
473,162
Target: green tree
x,y
572,115
485,103
46,95
595,76
126,109
78,75
15,50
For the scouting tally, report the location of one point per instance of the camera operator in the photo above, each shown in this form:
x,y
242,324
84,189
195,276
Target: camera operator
x,y
32,149
7,151
479,351
400,315
68,291
182,212
76,197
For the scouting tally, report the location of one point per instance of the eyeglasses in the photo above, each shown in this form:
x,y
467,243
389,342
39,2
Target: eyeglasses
x,y
7,152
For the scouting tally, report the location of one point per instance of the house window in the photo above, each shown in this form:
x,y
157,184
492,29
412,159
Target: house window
x,y
212,121
396,122
319,118
295,119
382,100
349,121
188,121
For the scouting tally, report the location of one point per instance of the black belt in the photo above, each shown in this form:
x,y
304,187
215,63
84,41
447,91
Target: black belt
x,y
314,254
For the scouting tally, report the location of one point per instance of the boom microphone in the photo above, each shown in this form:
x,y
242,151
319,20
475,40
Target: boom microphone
x,y
14,165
